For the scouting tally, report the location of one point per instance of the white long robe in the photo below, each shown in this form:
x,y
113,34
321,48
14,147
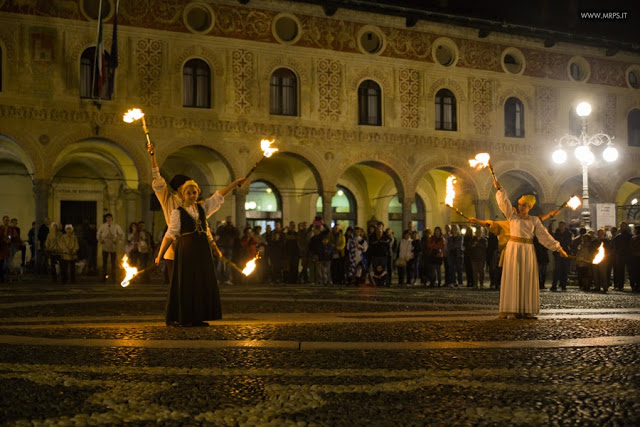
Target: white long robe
x,y
519,291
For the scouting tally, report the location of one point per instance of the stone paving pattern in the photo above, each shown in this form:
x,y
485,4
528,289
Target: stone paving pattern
x,y
97,354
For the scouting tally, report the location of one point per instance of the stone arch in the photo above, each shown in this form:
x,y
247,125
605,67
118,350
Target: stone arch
x,y
456,165
379,76
19,153
290,63
200,158
199,52
312,167
138,155
220,153
516,92
107,149
529,178
387,164
447,83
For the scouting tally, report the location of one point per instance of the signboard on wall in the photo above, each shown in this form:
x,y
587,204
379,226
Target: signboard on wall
x,y
605,215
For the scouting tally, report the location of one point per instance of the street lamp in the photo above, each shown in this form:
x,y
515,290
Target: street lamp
x,y
584,154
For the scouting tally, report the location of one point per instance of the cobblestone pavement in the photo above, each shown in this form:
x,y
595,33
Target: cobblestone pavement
x,y
307,355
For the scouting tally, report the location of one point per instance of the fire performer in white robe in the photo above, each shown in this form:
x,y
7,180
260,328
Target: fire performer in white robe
x,y
520,294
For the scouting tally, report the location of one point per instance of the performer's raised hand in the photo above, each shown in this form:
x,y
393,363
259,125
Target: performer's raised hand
x,y
497,185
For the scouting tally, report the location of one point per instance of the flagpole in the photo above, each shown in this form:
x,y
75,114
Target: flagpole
x,y
95,57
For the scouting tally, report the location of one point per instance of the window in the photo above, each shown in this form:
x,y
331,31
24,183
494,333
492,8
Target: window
x,y
514,118
90,76
445,104
196,79
633,127
395,215
283,94
369,104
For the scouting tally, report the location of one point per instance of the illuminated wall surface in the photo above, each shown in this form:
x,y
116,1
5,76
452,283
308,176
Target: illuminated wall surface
x,y
357,102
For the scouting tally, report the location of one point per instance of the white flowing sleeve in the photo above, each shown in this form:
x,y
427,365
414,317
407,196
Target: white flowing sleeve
x,y
213,203
364,245
504,204
173,230
543,235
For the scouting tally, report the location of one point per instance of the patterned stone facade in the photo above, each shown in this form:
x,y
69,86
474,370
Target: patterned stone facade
x,y
242,51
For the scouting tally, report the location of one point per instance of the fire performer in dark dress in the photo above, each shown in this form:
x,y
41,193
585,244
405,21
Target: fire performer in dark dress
x,y
193,294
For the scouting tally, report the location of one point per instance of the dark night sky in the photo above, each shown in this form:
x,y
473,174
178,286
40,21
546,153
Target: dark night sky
x,y
558,15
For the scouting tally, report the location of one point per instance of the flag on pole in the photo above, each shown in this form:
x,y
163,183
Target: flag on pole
x,y
113,60
100,64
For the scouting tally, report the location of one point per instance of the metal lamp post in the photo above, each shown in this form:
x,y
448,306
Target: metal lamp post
x,y
584,154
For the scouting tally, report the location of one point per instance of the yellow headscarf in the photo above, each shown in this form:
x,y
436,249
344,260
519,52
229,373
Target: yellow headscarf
x,y
529,199
190,183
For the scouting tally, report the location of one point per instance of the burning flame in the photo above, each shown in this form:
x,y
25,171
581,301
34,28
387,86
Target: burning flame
x,y
131,272
450,191
481,161
600,255
267,150
574,202
132,115
251,265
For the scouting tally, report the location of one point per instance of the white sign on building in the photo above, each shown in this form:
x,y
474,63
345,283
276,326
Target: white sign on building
x,y
605,215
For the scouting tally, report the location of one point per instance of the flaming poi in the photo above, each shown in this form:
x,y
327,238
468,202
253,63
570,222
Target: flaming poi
x,y
599,256
482,160
451,194
251,265
131,272
574,202
267,151
136,114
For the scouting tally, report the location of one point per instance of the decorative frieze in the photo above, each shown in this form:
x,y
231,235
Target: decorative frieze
x,y
303,134
242,68
547,111
329,89
409,88
481,105
148,70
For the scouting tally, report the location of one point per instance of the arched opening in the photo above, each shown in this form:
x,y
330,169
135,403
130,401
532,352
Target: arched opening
x,y
93,177
297,181
204,165
94,79
373,185
16,187
514,118
369,103
344,208
445,110
283,93
395,215
573,186
517,184
196,84
628,202
633,128
263,205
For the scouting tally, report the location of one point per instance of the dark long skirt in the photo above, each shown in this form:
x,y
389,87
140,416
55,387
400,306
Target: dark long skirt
x,y
193,293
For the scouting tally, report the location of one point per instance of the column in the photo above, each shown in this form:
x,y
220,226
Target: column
x,y
145,191
131,198
406,212
41,189
241,212
481,208
327,211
